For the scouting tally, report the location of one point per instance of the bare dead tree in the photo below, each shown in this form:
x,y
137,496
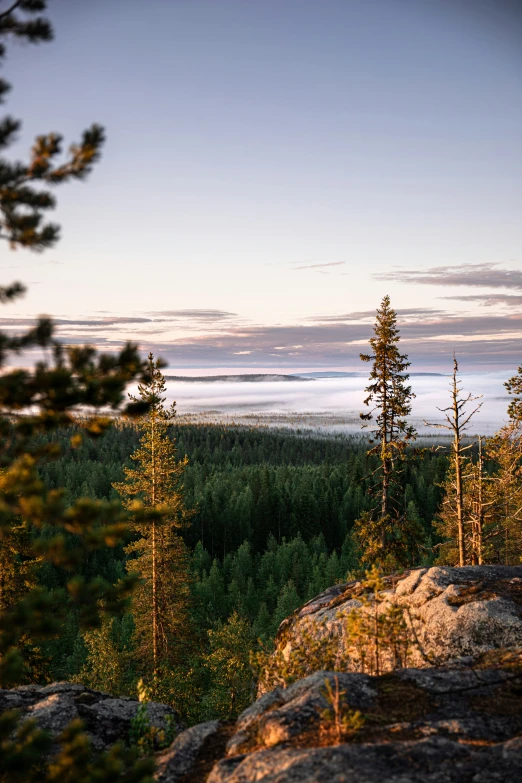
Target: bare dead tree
x,y
457,418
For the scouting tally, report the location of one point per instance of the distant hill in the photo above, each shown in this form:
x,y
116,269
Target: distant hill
x,y
246,378
336,374
328,374
267,377
339,374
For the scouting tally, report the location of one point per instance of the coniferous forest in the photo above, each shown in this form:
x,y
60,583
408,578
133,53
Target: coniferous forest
x,y
264,520
144,556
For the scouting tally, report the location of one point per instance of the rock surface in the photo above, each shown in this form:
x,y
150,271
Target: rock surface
x,y
453,716
107,719
192,754
454,612
443,725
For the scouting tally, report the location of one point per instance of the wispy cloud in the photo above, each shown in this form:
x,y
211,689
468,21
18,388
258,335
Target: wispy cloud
x,y
428,336
318,266
487,300
473,275
482,341
365,315
194,314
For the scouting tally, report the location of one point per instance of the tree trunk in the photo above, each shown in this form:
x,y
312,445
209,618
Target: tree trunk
x,y
154,554
154,604
458,471
480,516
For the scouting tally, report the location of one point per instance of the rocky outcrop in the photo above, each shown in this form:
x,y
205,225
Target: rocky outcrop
x,y
452,612
444,725
453,714
107,719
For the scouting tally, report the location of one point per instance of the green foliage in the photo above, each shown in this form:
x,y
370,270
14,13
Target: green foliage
x,y
514,387
107,664
375,637
457,418
502,533
491,482
144,736
338,720
378,635
261,579
51,531
23,748
25,196
76,762
228,663
256,485
384,541
313,652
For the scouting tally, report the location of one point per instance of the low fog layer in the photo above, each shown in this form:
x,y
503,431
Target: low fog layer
x,y
335,402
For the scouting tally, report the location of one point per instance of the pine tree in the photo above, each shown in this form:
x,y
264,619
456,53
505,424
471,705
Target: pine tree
x,y
23,201
17,564
457,419
505,489
385,534
514,387
161,599
41,400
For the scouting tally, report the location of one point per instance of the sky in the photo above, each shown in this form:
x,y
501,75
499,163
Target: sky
x,y
273,168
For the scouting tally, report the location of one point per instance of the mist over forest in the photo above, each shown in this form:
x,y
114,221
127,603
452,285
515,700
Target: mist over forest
x,y
333,403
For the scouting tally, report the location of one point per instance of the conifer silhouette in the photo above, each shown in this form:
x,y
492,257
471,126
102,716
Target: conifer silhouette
x,y
386,534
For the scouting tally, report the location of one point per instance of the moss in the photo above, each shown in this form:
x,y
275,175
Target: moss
x,y
400,700
508,589
502,658
506,700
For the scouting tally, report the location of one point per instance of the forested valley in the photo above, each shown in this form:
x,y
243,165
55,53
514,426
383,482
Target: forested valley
x,y
272,516
270,524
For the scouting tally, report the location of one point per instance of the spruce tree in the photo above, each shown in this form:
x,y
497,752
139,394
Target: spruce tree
x,y
514,387
386,535
228,664
161,598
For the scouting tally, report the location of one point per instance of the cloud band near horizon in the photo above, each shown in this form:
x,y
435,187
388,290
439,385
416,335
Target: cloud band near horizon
x,y
219,339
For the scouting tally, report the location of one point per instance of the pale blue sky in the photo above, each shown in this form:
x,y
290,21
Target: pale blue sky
x,y
250,139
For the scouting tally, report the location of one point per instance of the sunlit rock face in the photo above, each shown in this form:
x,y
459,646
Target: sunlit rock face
x,y
443,725
451,612
453,713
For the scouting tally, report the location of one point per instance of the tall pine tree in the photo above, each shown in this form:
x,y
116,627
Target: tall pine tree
x,y
387,535
161,599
